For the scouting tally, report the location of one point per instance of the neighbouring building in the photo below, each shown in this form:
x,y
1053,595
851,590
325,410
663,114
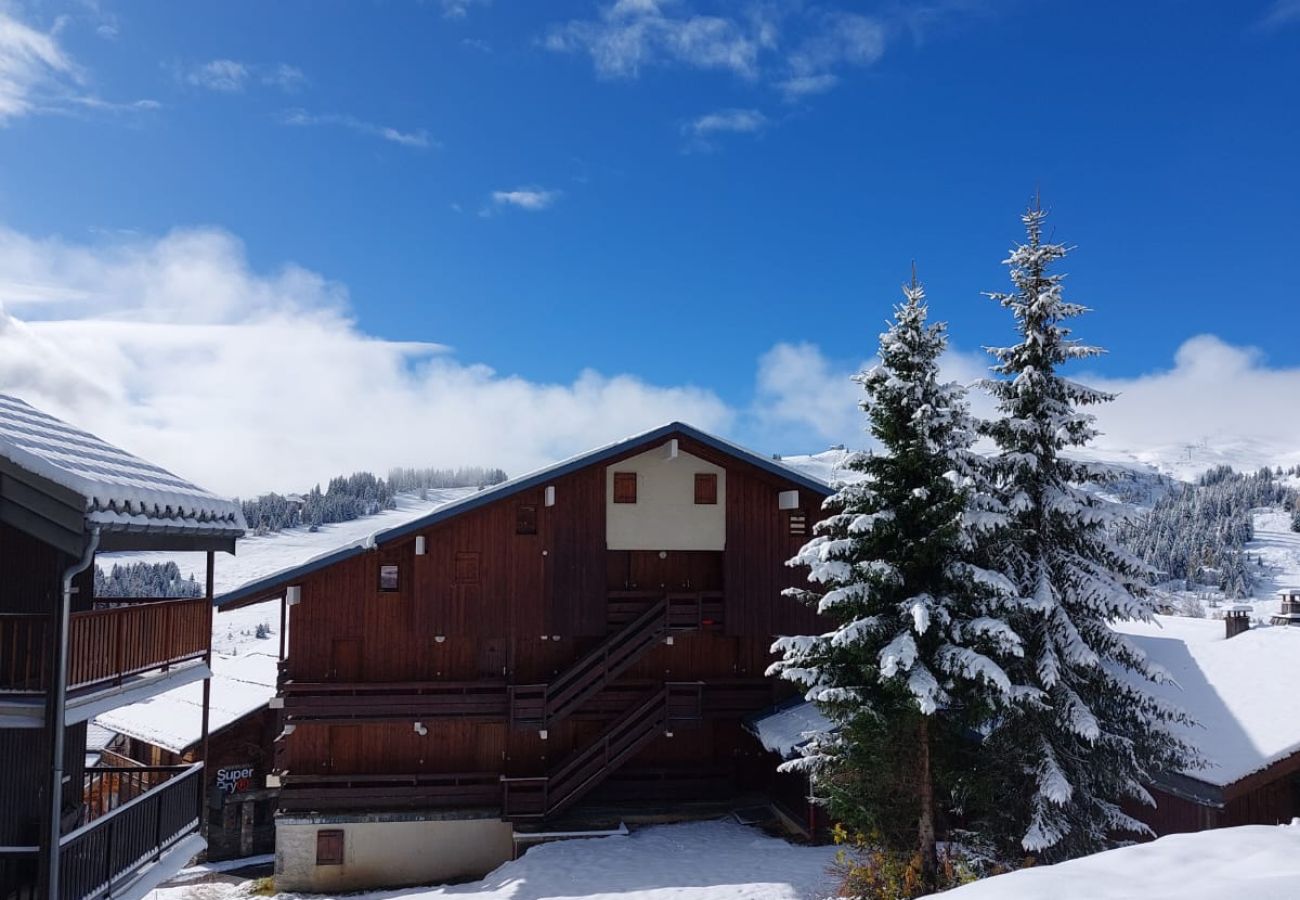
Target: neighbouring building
x,y
167,730
558,653
1238,683
70,829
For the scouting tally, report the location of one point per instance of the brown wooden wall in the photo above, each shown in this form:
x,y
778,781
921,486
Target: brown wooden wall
x,y
520,608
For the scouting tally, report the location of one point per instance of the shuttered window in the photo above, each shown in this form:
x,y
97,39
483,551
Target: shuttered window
x,y
467,567
329,847
624,487
706,488
389,578
526,520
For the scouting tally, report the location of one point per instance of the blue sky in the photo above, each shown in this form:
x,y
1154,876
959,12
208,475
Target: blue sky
x,y
664,190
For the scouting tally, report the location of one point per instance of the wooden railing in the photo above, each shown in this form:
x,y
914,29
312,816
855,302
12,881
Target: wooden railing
x,y
107,851
322,793
541,705
548,795
333,702
104,645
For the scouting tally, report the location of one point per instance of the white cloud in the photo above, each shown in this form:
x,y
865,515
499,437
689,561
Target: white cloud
x,y
34,69
797,87
1217,403
629,35
418,139
733,121
459,9
1280,14
231,76
532,199
838,39
175,348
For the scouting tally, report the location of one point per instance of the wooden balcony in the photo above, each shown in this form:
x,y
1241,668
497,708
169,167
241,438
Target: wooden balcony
x,y
325,793
132,818
105,646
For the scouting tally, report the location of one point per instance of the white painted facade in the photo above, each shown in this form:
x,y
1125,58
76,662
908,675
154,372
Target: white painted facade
x,y
389,852
665,515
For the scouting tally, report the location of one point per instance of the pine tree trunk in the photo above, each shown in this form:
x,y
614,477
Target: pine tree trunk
x,y
925,826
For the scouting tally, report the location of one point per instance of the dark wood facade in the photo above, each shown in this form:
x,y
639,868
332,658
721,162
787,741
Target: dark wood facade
x,y
1268,797
520,667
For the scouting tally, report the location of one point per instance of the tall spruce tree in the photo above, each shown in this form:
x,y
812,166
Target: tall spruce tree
x,y
915,661
1089,735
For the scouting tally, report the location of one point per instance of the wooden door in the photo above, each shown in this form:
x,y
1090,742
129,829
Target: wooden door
x,y
345,660
345,749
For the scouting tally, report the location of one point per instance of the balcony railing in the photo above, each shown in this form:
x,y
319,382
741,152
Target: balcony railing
x,y
104,645
150,810
133,816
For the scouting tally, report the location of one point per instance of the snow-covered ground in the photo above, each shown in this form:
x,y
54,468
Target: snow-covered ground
x,y
1253,862
694,861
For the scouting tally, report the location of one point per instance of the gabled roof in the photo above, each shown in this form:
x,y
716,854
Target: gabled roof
x,y
263,587
99,485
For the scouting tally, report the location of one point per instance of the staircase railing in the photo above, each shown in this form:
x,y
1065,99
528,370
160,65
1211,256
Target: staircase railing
x,y
548,795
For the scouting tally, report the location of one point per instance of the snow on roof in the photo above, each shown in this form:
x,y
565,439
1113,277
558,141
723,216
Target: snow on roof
x,y
1261,862
787,728
174,720
1241,690
474,499
121,492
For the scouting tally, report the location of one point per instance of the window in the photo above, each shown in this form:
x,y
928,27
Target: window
x,y
706,488
798,522
526,520
467,567
388,581
329,847
624,487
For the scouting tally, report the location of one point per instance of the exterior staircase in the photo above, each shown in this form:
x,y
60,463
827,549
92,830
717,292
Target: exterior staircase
x,y
542,705
545,796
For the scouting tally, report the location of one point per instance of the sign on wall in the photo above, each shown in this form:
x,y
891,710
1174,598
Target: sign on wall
x,y
235,779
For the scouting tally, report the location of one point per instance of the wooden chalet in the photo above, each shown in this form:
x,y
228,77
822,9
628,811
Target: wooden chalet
x,y
564,651
67,829
1237,683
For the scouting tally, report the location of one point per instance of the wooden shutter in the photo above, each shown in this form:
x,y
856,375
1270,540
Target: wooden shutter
x,y
706,488
526,519
467,567
329,847
624,487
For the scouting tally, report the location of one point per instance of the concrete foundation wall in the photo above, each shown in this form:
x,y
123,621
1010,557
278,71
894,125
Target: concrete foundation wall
x,y
393,853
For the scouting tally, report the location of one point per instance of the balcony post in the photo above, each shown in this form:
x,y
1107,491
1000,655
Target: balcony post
x,y
56,712
207,695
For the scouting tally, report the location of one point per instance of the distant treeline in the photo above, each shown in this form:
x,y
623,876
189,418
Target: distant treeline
x,y
1198,534
349,497
145,580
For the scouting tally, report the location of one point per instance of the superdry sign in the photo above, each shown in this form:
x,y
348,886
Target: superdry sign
x,y
235,779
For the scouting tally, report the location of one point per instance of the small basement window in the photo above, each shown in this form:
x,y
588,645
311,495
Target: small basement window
x,y
388,578
329,847
526,520
706,488
624,487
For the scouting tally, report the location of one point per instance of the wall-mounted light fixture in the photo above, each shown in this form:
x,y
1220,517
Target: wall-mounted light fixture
x,y
439,638
420,549
549,495
788,500
293,594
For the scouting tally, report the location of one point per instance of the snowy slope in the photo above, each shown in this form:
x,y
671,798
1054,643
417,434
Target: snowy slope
x,y
258,556
1259,862
695,861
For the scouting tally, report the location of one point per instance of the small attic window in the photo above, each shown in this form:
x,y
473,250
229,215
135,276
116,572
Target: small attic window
x,y
388,579
526,519
624,487
706,489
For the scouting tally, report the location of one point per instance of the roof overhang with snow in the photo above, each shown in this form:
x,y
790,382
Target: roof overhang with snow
x,y
58,483
271,585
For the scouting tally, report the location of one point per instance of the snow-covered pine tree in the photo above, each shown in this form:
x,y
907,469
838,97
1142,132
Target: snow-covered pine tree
x,y
914,662
1089,736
